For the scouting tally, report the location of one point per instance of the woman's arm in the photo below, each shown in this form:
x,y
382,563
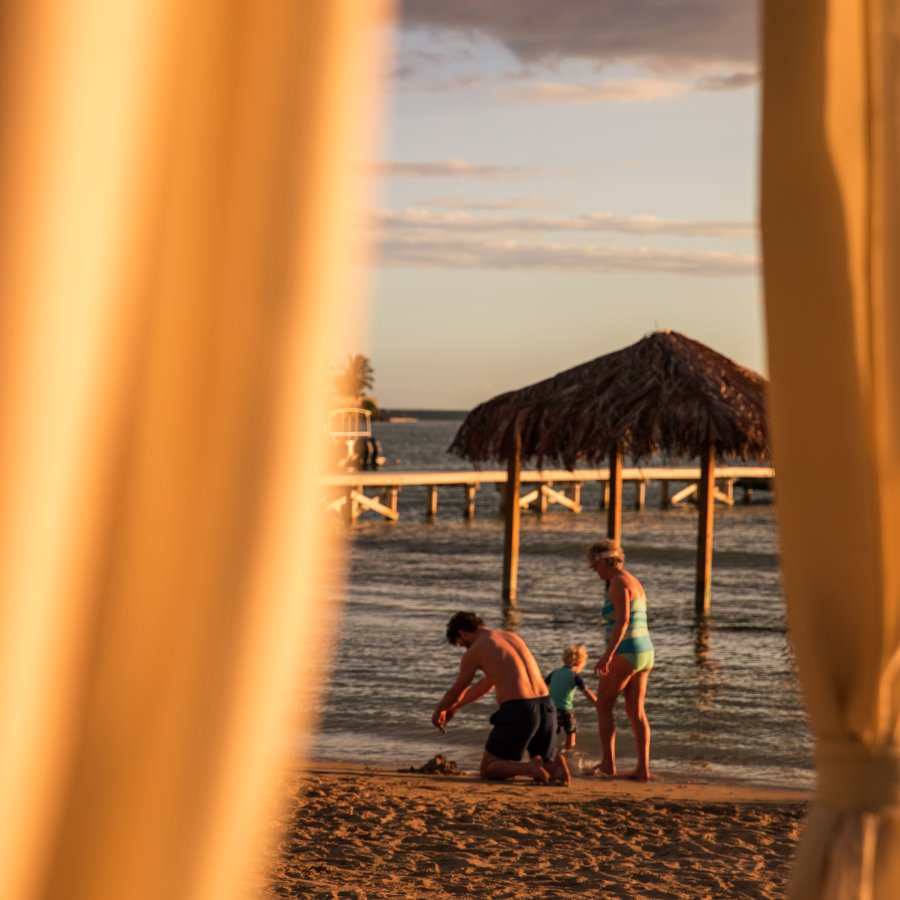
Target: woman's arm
x,y
619,599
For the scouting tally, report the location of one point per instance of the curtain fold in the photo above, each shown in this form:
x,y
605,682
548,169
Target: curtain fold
x,y
179,192
829,212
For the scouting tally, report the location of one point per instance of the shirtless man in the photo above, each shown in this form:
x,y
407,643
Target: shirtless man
x,y
526,718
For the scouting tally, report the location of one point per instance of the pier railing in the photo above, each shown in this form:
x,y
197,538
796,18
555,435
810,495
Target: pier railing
x,y
353,493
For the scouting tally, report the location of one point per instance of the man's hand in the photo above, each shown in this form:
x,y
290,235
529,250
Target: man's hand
x,y
440,718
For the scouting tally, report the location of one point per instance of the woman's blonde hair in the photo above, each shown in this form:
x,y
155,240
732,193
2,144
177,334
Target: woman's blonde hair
x,y
573,654
607,550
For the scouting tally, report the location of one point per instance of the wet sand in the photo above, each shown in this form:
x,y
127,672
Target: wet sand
x,y
358,832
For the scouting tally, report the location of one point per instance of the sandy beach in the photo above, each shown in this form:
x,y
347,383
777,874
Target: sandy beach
x,y
360,832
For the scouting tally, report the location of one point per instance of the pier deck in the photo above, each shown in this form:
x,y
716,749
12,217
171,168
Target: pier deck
x,y
549,486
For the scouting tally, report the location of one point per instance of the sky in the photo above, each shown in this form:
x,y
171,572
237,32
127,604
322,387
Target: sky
x,y
555,180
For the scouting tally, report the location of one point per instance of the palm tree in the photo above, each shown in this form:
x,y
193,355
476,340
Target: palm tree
x,y
357,376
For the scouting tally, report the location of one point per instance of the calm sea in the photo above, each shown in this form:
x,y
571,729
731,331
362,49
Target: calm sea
x,y
723,698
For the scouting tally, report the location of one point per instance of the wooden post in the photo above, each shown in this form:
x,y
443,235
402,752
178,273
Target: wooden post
x,y
389,497
664,493
640,494
614,512
351,508
512,516
469,505
542,497
431,502
706,508
575,494
348,507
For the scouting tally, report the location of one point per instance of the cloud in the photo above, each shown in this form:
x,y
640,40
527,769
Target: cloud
x,y
466,253
422,222
449,85
728,81
481,203
413,62
682,35
614,90
424,238
451,168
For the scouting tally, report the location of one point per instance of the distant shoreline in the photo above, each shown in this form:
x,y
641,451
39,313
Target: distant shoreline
x,y
414,415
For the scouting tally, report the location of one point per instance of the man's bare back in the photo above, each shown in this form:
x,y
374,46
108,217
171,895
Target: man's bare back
x,y
507,662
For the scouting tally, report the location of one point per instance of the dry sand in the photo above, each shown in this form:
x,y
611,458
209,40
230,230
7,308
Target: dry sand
x,y
354,831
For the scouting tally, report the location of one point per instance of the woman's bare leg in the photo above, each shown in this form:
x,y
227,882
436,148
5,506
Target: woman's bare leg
x,y
608,690
635,695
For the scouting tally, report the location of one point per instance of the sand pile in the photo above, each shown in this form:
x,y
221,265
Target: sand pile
x,y
437,765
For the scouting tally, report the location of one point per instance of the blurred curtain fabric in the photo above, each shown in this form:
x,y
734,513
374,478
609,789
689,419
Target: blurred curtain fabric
x,y
179,186
831,248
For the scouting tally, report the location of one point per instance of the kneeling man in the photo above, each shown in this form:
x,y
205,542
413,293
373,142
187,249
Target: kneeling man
x,y
526,719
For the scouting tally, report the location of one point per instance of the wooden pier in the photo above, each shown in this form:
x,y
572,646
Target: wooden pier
x,y
377,492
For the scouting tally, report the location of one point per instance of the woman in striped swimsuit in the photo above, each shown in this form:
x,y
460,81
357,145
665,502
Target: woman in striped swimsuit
x,y
627,661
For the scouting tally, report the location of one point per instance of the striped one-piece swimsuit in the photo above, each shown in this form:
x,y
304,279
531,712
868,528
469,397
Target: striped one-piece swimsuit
x,y
635,645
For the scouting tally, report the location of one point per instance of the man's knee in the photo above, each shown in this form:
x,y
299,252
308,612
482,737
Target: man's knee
x,y
487,769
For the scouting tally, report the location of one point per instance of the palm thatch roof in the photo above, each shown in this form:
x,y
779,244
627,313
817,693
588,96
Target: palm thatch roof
x,y
665,393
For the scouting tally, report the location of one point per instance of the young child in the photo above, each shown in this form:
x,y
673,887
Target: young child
x,y
562,683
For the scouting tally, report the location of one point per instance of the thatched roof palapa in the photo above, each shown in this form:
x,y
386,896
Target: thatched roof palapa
x,y
664,393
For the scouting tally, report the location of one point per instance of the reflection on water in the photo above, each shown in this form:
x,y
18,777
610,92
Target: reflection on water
x,y
512,618
722,698
707,666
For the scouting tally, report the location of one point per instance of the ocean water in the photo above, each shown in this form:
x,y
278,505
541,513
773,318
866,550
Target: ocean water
x,y
723,698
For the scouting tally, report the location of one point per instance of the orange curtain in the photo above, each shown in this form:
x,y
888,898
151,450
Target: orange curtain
x,y
178,188
830,206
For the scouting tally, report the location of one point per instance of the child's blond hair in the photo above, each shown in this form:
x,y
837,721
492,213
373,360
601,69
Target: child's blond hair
x,y
574,654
